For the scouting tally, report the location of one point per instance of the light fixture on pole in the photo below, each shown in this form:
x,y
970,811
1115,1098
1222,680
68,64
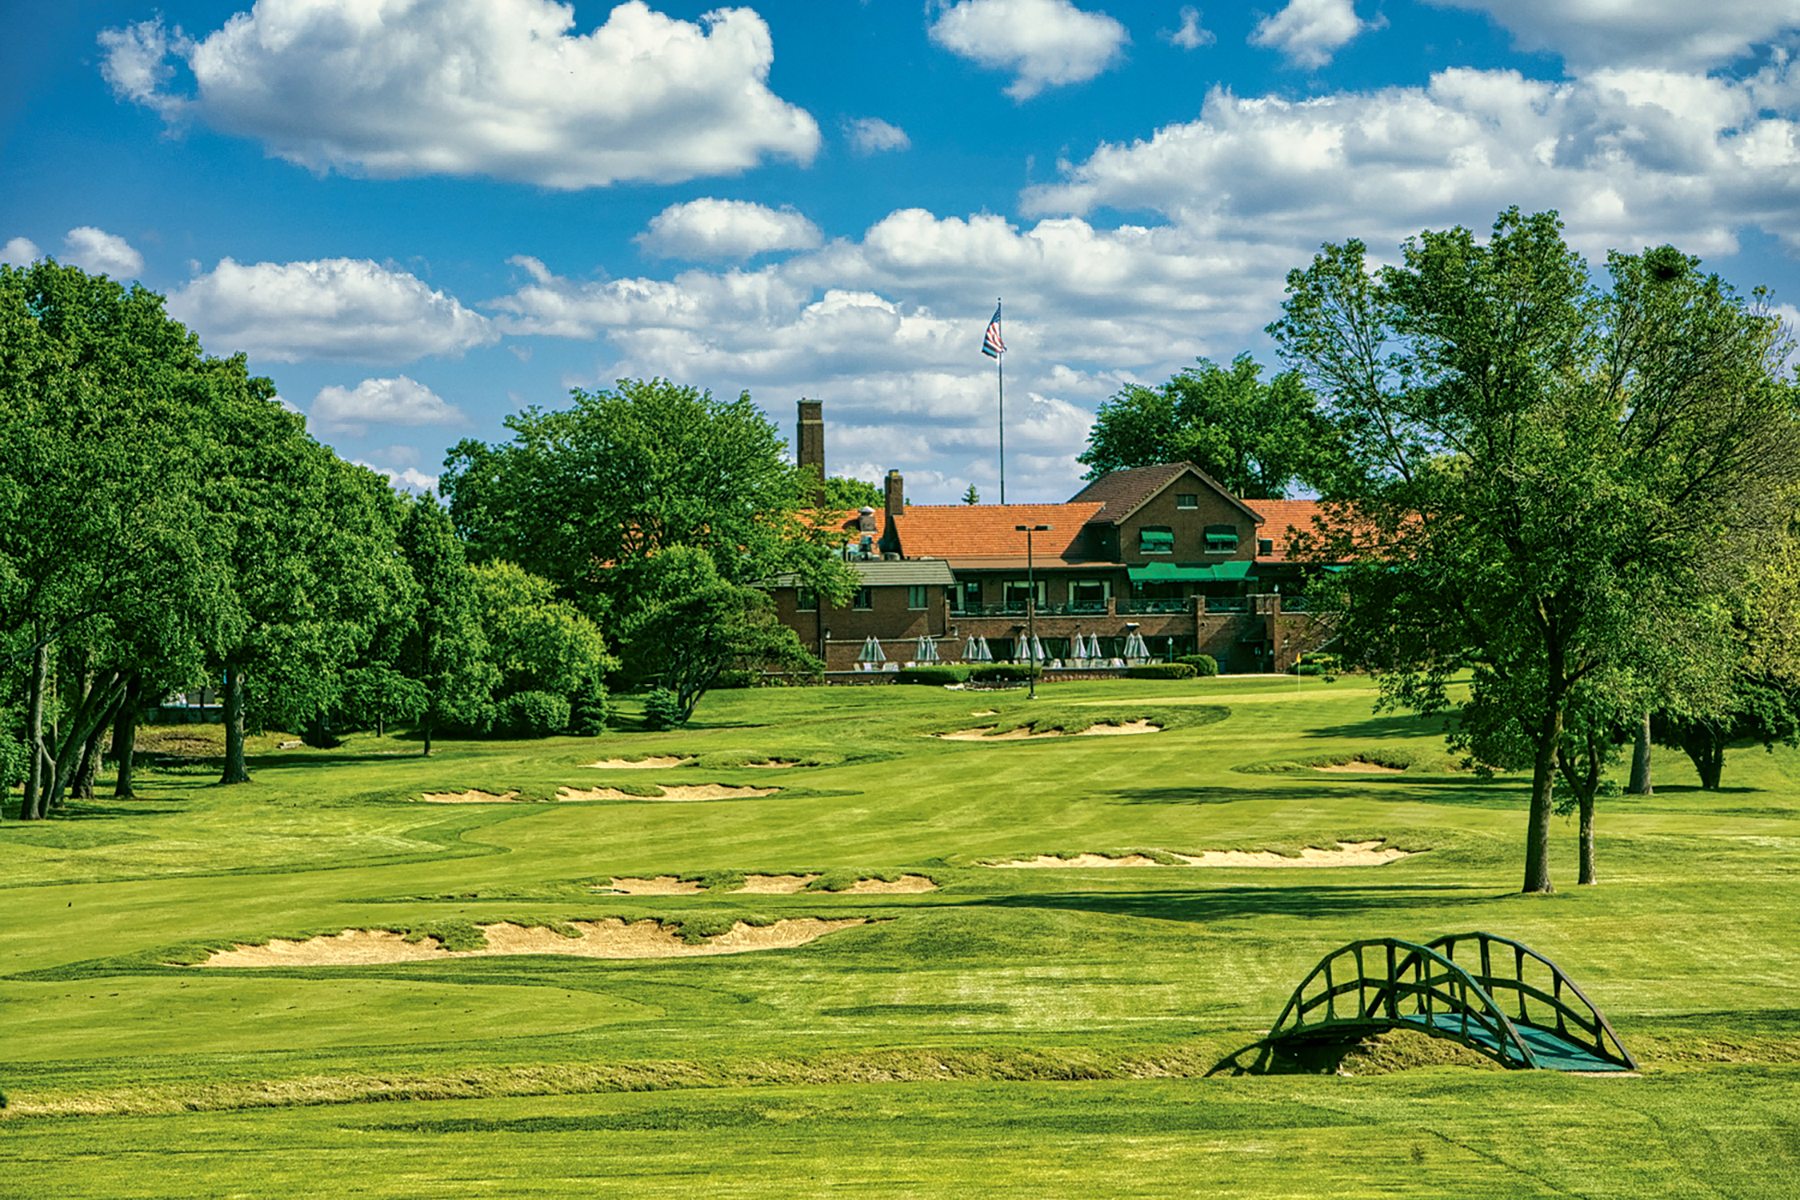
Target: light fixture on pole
x,y
1031,641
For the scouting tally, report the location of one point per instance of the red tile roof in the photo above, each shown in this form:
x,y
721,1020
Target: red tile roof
x,y
1281,520
986,530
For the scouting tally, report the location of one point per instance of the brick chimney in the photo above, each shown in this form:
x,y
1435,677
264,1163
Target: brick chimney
x,y
809,442
896,495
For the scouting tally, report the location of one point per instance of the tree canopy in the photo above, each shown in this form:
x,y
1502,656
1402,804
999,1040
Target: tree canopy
x,y
1259,439
1563,478
655,508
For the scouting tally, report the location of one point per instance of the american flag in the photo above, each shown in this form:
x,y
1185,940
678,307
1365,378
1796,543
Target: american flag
x,y
991,345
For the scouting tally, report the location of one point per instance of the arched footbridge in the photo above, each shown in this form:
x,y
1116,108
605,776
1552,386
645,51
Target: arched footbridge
x,y
1490,993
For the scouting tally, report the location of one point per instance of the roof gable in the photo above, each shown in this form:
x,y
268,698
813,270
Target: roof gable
x,y
1121,493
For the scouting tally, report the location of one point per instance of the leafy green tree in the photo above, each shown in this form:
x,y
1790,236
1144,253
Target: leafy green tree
x,y
445,650
971,496
312,565
1257,439
1559,476
585,496
843,494
536,641
105,553
692,624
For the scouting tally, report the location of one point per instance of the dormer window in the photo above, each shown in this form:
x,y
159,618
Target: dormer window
x,y
1265,546
1156,540
1221,539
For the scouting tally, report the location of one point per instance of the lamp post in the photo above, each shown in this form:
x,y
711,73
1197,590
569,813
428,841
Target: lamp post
x,y
1031,642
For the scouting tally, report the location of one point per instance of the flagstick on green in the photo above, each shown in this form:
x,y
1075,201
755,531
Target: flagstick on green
x,y
994,346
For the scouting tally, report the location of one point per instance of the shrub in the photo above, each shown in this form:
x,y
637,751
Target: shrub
x,y
1005,672
662,710
1205,665
1168,670
532,715
737,677
1315,664
932,676
589,710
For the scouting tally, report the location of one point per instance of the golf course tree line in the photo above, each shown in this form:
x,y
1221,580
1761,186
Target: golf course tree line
x,y
165,523
658,509
1581,491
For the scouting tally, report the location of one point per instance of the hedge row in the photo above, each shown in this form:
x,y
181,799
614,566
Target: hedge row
x,y
1168,670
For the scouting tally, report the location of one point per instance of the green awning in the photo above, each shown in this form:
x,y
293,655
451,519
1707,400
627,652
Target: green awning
x,y
1157,537
1160,572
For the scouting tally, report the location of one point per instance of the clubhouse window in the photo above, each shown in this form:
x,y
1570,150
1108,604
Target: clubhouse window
x,y
1156,539
1221,539
1187,500
807,600
917,595
865,598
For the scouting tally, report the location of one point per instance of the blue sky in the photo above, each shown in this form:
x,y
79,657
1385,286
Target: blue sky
x,y
417,216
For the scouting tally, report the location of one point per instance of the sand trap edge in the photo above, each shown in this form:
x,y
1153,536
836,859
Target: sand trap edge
x,y
610,938
1347,854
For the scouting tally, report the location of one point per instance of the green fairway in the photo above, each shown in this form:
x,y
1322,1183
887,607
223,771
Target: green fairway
x,y
1021,1032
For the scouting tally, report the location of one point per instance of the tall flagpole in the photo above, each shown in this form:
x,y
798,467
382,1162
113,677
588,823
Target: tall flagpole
x,y
1000,379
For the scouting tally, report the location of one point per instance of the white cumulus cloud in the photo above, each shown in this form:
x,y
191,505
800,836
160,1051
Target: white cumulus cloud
x,y
870,135
477,87
406,479
1044,43
1191,36
396,401
20,252
1630,158
335,308
1666,33
710,229
101,253
1309,31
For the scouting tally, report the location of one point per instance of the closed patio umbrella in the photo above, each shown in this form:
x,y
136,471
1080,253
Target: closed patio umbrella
x,y
871,652
927,651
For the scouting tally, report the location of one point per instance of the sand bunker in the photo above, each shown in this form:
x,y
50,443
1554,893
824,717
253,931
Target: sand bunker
x,y
472,796
775,885
772,885
1348,854
906,884
1024,734
1357,766
662,885
985,712
642,764
703,791
611,938
1080,860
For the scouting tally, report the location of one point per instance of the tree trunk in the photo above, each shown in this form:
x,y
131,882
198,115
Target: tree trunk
x,y
99,703
89,766
235,769
32,807
1543,786
1640,761
124,746
1706,747
427,753
1588,875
